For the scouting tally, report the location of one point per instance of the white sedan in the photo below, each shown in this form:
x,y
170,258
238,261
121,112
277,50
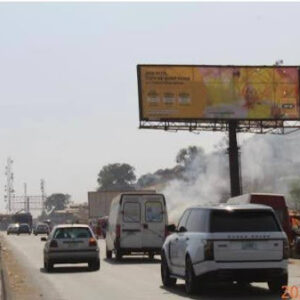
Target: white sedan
x,y
71,244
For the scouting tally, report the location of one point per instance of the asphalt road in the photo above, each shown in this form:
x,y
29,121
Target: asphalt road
x,y
133,278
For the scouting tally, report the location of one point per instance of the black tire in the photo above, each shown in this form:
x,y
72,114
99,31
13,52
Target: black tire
x,y
151,255
48,266
94,265
190,279
7,233
118,255
275,285
165,273
108,254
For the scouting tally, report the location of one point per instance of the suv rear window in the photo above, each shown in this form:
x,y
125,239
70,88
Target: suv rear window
x,y
197,221
72,233
243,221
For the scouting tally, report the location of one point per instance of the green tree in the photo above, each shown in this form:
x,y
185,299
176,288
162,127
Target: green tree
x,y
116,177
58,200
187,155
295,193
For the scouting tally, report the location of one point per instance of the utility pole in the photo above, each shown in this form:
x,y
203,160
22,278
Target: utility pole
x,y
26,199
43,194
234,160
9,188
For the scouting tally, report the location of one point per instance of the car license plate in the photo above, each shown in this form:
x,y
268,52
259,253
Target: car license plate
x,y
249,246
71,244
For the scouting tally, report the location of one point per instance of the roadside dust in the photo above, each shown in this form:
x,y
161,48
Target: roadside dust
x,y
20,285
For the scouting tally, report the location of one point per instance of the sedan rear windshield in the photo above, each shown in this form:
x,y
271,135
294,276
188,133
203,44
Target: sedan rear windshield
x,y
24,226
72,233
42,227
243,221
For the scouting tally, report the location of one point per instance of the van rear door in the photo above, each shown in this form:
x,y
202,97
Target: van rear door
x,y
131,229
154,221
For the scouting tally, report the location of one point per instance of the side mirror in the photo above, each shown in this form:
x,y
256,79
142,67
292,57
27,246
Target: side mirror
x,y
171,228
43,239
182,229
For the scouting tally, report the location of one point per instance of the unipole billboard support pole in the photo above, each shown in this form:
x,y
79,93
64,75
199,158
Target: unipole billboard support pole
x,y
234,160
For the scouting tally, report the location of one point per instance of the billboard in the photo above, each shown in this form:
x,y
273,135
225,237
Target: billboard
x,y
185,93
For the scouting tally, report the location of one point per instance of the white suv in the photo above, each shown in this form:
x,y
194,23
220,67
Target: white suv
x,y
242,243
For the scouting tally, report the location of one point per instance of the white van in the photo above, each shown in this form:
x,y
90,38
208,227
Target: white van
x,y
137,223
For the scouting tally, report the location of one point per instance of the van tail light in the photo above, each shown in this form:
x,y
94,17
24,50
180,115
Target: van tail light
x,y
53,244
118,230
166,231
92,242
209,250
286,249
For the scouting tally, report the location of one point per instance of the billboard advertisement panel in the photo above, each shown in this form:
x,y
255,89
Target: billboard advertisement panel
x,y
180,93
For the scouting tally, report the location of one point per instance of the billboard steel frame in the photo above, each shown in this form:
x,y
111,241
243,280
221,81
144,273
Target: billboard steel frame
x,y
244,126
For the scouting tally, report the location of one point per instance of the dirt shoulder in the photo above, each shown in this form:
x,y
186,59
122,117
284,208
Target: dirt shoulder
x,y
20,285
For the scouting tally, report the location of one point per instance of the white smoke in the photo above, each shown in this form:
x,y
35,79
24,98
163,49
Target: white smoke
x,y
269,163
205,181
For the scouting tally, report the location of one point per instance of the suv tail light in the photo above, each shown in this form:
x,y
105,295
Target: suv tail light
x,y
286,249
53,244
118,230
209,250
92,242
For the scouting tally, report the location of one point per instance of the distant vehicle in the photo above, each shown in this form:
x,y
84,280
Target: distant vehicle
x,y
24,228
136,224
12,228
25,218
242,243
41,229
71,244
49,223
277,202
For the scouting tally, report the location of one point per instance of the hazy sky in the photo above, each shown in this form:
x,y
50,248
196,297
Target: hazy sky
x,y
68,84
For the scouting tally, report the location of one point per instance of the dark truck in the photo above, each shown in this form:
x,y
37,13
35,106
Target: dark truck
x,y
24,218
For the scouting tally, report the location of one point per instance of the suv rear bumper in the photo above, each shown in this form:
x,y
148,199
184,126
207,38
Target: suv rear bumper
x,y
250,271
254,275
